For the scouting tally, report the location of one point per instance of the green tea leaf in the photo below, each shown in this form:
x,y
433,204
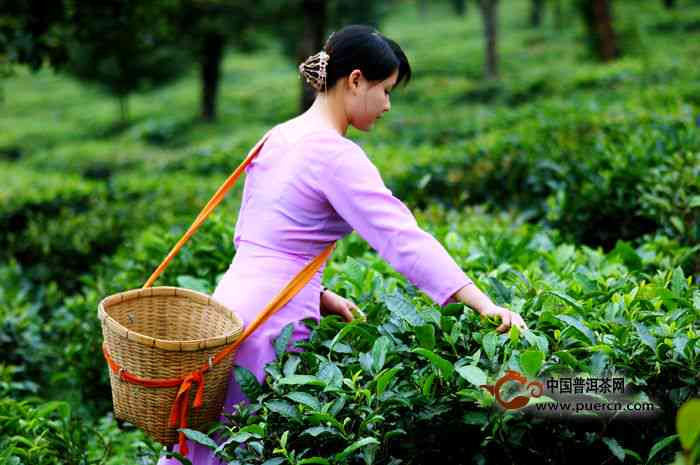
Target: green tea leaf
x,y
305,399
615,448
475,418
490,343
473,374
538,341
427,388
338,347
566,298
318,430
531,362
502,294
274,461
199,438
514,334
290,366
196,284
302,380
364,442
687,423
629,256
355,272
580,327
330,374
282,341
426,336
385,378
678,224
379,350
445,367
661,445
678,283
402,308
645,336
567,359
313,461
284,408
248,382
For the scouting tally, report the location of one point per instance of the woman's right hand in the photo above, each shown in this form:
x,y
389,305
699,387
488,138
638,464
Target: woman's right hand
x,y
508,318
472,296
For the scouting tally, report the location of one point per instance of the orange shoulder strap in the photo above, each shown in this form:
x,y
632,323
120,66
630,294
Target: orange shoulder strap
x,y
208,208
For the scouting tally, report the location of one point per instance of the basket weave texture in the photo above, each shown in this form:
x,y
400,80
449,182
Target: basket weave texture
x,y
166,332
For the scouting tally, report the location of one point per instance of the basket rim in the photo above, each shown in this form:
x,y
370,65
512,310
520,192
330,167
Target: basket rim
x,y
173,345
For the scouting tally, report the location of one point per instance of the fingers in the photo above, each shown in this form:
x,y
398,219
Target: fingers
x,y
505,322
509,319
518,321
346,313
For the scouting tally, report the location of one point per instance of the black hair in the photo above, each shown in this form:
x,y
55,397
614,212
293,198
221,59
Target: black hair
x,y
364,48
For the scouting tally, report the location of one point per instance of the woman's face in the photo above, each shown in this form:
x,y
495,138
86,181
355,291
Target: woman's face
x,y
367,101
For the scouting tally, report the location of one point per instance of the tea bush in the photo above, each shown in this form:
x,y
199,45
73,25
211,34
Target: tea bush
x,y
58,228
404,385
605,154
606,187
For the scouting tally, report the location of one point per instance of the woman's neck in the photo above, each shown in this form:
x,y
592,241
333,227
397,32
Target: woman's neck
x,y
328,111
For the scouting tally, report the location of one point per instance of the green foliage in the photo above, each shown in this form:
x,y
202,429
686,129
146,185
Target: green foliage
x,y
35,432
606,154
124,47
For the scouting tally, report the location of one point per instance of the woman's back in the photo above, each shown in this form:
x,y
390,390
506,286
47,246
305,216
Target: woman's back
x,y
284,207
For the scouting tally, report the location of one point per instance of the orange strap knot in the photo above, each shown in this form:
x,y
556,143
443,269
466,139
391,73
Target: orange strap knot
x,y
179,412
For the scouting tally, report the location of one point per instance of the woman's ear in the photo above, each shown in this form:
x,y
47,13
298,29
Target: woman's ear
x,y
354,80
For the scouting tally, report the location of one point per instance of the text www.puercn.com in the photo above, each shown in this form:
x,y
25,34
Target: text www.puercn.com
x,y
596,406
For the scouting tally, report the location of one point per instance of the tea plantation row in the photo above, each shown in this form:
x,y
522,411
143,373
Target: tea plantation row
x,y
411,372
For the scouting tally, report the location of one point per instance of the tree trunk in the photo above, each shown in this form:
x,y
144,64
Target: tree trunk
x,y
536,7
313,39
603,13
460,7
210,70
489,15
598,17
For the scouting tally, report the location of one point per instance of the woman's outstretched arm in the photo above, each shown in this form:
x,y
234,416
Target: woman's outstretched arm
x,y
481,303
355,189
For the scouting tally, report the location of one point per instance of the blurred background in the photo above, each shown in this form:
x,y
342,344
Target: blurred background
x,y
119,119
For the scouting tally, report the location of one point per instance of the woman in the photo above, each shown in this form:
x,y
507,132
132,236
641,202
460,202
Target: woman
x,y
310,186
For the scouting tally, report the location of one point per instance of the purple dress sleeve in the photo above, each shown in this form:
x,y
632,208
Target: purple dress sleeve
x,y
355,189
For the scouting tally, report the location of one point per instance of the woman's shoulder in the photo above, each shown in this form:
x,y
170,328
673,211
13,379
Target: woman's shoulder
x,y
297,130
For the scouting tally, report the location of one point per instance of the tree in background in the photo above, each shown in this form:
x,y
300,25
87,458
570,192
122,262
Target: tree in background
x,y
536,11
206,28
598,18
124,46
489,15
303,26
459,6
32,33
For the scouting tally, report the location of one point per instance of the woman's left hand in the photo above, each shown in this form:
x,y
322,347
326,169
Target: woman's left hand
x,y
333,304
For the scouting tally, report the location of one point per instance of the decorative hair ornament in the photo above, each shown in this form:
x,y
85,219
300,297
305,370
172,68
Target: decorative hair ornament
x,y
314,70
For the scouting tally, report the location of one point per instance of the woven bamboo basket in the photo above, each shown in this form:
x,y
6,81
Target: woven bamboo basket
x,y
161,333
161,342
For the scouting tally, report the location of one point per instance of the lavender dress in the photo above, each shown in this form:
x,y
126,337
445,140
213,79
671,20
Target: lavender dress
x,y
301,194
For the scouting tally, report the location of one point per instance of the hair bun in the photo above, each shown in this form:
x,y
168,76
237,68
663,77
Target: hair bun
x,y
313,69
